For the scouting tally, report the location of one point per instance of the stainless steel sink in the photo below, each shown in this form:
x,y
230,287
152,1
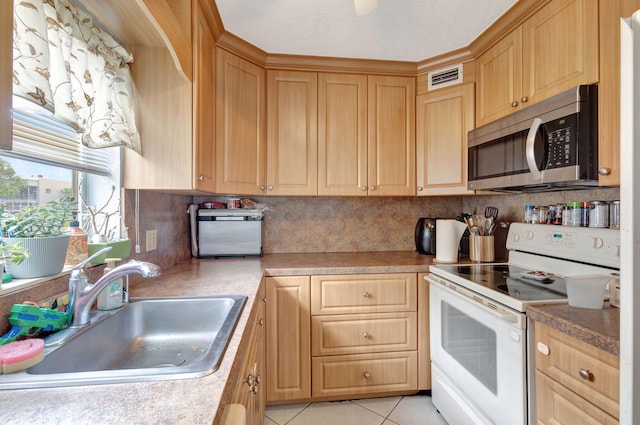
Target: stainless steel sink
x,y
148,339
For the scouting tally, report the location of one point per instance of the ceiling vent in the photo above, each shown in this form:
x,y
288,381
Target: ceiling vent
x,y
445,77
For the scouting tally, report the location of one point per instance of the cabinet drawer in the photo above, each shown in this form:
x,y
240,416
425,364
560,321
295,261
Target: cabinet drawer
x,y
367,293
558,405
569,357
363,333
364,373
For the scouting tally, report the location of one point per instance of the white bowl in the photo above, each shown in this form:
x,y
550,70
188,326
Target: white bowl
x,y
587,291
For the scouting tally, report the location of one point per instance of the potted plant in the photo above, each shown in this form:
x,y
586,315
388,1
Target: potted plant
x,y
97,221
39,231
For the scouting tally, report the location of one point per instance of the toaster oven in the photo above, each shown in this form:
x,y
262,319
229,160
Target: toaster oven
x,y
225,232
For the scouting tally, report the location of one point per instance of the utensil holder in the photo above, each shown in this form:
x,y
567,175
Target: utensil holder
x,y
481,248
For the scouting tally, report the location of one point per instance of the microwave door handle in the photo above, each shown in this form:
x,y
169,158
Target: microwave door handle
x,y
529,149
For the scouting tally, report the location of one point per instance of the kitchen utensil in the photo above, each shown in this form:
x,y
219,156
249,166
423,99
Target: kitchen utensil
x,y
491,212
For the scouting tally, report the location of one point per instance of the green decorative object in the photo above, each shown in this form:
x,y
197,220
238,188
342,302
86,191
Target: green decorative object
x,y
119,249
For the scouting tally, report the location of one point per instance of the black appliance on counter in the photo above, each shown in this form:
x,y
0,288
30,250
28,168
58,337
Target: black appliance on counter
x,y
426,235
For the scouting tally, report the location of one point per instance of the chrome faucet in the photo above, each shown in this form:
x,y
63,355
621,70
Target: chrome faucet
x,y
82,294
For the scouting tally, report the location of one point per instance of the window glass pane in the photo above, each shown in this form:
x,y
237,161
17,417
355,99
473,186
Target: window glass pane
x,y
25,183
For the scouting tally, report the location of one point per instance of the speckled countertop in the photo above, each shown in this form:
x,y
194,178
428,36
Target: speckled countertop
x,y
199,400
600,328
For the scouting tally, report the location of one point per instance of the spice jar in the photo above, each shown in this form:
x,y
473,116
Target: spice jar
x,y
575,214
599,214
614,215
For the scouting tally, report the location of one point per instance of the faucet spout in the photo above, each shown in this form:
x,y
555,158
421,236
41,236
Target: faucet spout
x,y
82,295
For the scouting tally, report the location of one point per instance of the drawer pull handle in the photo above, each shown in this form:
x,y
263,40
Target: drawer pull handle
x,y
586,374
365,335
367,375
365,294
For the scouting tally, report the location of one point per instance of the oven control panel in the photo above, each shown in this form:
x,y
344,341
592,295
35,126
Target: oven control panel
x,y
584,244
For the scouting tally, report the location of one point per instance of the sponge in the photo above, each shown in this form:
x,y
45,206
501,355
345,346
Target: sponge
x,y
20,355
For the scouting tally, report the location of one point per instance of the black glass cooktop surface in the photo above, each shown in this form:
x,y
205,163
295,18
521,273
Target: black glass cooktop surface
x,y
513,281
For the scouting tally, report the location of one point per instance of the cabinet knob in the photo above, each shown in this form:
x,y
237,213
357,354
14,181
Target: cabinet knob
x,y
261,322
604,171
270,187
201,178
365,335
524,99
365,294
420,188
586,374
262,188
363,188
366,375
372,188
514,104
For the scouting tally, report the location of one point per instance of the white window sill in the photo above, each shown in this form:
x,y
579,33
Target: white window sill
x,y
17,285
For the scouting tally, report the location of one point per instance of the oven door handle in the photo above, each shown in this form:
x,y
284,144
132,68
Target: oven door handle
x,y
479,302
530,149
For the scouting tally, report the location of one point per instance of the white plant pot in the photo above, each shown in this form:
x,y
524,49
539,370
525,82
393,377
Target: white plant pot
x,y
47,256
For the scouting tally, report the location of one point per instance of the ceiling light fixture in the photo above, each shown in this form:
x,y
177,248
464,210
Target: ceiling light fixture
x,y
365,6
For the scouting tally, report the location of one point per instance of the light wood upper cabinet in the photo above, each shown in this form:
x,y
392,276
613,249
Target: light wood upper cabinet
x,y
443,119
240,125
391,136
342,134
366,135
176,115
204,95
499,79
552,51
609,88
6,45
292,102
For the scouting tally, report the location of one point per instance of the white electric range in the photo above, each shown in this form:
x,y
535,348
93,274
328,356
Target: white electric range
x,y
479,335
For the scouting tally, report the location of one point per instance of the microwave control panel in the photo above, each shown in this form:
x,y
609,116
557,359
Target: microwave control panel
x,y
561,138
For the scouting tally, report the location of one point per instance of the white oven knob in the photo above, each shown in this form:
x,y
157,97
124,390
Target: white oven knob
x,y
516,237
543,348
530,234
597,243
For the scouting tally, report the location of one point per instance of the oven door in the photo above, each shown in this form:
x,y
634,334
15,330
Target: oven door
x,y
478,355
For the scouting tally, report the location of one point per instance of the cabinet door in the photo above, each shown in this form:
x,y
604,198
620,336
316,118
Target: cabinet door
x,y
292,144
240,125
557,405
560,48
424,347
249,390
499,79
203,102
288,338
342,134
443,119
6,38
391,136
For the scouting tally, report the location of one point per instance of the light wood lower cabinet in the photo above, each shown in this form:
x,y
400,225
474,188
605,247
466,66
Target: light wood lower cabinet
x,y
249,390
334,336
576,383
288,338
358,374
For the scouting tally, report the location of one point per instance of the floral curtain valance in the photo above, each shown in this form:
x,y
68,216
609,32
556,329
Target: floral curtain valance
x,y
65,63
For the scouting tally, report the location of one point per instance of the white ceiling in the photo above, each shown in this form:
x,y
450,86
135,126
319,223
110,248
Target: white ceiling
x,y
405,30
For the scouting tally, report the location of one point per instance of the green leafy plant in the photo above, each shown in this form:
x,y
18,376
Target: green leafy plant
x,y
16,253
37,222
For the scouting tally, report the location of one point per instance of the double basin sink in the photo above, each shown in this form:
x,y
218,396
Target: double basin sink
x,y
147,339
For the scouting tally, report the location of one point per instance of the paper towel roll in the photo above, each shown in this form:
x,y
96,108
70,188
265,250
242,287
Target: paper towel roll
x,y
448,234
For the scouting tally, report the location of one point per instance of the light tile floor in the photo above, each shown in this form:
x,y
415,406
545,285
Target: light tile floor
x,y
407,410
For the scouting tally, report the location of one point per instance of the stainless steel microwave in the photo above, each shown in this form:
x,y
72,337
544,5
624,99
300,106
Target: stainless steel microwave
x,y
550,145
